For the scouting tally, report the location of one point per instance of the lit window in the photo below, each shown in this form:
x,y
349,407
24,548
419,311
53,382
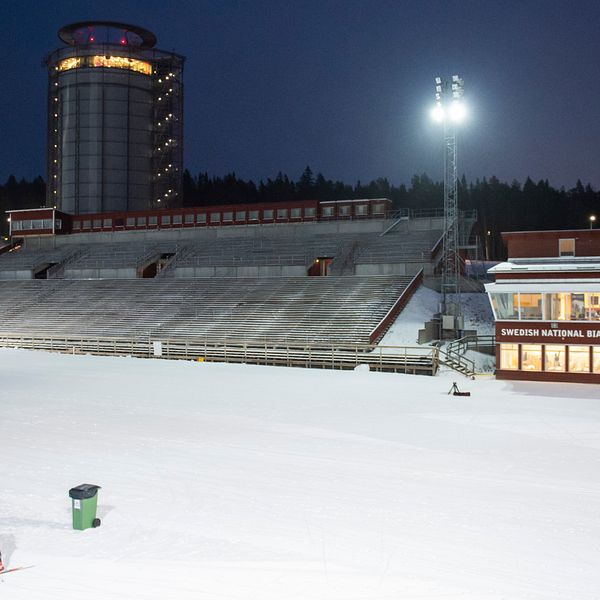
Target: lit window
x,y
201,217
361,209
108,223
58,223
344,210
378,209
555,358
267,214
282,213
309,211
531,306
579,359
328,211
37,224
69,63
130,222
557,307
153,220
47,224
189,219
295,213
86,224
177,219
240,215
16,225
76,225
509,356
505,306
531,357
253,215
577,307
566,247
141,221
121,62
97,223
215,217
592,306
111,62
596,359
165,220
228,216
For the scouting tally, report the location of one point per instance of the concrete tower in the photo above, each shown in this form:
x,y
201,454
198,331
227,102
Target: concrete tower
x,y
115,120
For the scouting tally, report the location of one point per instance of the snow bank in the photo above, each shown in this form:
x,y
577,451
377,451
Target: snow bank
x,y
233,481
425,303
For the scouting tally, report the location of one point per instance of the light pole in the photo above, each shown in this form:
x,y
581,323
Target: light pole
x,y
592,220
450,110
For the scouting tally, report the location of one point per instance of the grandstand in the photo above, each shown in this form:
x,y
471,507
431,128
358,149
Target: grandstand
x,y
276,251
309,310
205,280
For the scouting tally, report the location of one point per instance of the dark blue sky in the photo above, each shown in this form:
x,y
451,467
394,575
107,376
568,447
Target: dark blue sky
x,y
344,86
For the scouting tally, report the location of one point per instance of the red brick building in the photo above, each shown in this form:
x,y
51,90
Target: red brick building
x,y
546,302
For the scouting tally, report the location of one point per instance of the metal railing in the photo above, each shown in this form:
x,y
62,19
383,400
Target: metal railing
x,y
397,359
458,348
428,213
457,362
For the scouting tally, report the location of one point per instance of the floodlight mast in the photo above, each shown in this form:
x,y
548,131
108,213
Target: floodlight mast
x,y
450,110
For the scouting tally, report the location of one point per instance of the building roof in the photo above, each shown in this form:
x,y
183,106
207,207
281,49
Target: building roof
x,y
554,264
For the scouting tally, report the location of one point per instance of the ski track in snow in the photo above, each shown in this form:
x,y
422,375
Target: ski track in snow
x,y
245,482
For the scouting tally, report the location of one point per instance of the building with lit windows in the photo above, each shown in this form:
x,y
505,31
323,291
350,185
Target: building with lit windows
x,y
546,302
115,121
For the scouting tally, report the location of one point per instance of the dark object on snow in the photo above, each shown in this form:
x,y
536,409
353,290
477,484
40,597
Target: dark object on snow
x,y
456,392
84,491
96,523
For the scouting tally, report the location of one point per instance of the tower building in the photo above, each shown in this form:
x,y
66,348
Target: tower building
x,y
115,120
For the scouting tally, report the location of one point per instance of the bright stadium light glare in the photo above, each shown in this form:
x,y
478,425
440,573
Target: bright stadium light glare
x,y
437,113
458,111
449,107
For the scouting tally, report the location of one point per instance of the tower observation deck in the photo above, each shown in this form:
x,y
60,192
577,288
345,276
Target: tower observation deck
x,y
115,120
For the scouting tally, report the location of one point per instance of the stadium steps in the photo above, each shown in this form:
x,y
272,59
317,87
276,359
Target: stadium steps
x,y
303,309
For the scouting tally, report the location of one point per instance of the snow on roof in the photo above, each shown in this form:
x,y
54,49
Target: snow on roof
x,y
538,286
564,263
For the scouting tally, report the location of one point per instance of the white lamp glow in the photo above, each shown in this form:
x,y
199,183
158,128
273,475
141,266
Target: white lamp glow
x,y
457,111
449,106
438,113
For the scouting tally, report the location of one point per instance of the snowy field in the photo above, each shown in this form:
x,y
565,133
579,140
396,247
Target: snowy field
x,y
242,482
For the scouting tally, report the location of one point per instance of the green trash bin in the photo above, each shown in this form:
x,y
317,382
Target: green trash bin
x,y
84,500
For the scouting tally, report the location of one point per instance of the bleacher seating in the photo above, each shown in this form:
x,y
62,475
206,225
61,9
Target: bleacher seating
x,y
87,260
396,246
118,255
299,250
30,260
341,310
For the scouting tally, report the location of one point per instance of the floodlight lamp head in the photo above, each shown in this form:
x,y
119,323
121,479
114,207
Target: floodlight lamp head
x,y
438,81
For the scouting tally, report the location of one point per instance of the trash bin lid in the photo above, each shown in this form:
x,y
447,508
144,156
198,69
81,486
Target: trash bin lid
x,y
83,491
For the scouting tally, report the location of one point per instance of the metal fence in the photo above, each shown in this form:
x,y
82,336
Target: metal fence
x,y
397,359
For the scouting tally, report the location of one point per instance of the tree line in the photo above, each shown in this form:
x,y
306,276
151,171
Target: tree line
x,y
501,206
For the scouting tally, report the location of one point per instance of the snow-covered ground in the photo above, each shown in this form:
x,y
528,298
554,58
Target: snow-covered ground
x,y
245,482
425,303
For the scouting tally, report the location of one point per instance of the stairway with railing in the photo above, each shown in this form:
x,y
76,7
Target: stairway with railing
x,y
454,357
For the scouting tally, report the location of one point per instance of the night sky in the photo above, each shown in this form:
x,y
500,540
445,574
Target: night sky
x,y
343,86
